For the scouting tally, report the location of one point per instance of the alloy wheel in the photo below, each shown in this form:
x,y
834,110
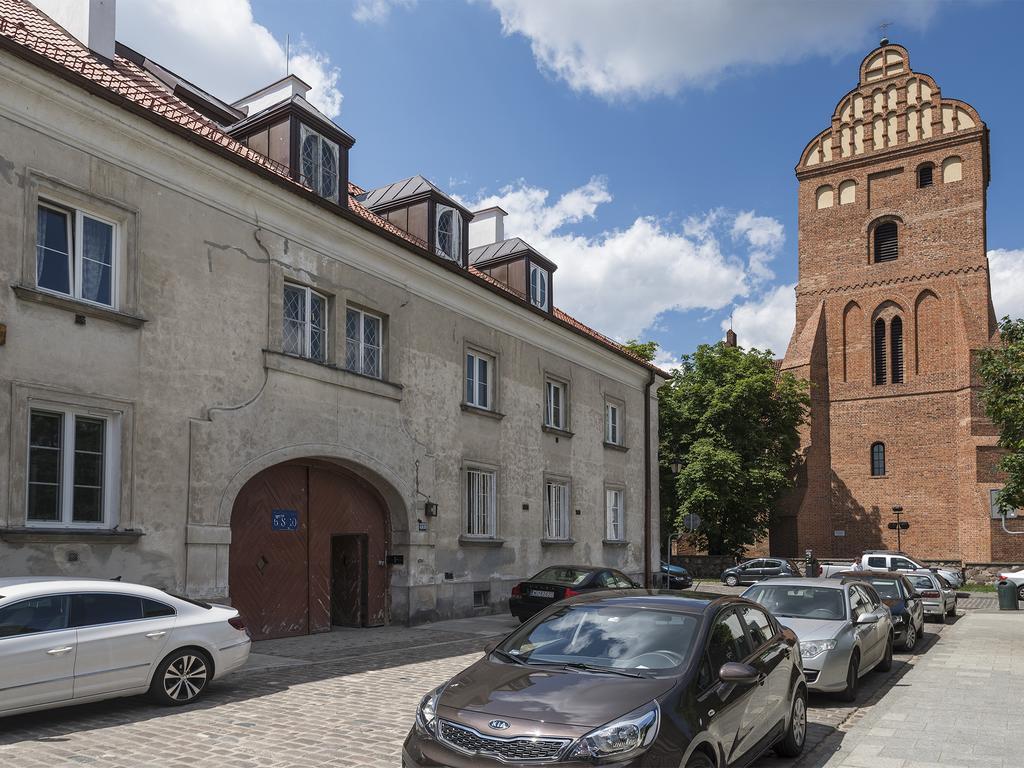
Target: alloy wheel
x,y
732,581
1020,592
185,677
911,640
799,720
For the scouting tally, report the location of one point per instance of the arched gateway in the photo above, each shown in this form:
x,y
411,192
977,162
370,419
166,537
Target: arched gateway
x,y
309,542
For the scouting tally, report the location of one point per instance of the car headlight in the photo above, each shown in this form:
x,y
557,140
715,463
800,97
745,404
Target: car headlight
x,y
898,618
633,733
811,648
426,713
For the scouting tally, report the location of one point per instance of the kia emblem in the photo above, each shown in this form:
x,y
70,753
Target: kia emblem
x,y
498,725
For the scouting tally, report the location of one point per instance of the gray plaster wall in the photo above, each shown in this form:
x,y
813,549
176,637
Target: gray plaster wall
x,y
208,400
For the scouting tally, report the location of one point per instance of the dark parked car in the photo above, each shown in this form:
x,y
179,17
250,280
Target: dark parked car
x,y
905,605
675,577
633,678
761,568
559,582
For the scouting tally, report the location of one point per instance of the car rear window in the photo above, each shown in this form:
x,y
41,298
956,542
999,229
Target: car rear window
x,y
921,582
618,637
887,589
198,603
561,574
799,602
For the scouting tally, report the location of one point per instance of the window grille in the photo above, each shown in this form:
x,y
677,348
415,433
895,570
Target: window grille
x,y
556,510
304,331
924,176
480,502
319,163
448,233
363,343
613,512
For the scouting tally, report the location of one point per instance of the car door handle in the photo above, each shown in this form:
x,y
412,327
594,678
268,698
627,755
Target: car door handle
x,y
159,633
60,651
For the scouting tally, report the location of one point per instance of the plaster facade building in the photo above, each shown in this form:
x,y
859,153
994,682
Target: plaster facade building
x,y
232,373
893,301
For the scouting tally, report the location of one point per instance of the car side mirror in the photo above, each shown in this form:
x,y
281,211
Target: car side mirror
x,y
738,674
867,618
489,648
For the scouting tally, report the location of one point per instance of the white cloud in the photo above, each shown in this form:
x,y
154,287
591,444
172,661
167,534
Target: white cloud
x,y
220,47
765,235
621,280
377,11
667,361
1006,271
615,49
767,321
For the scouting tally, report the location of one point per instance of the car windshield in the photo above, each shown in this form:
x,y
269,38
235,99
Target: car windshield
x,y
800,602
615,637
561,574
887,589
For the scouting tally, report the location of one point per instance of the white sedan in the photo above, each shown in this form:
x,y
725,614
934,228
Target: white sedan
x,y
1017,579
72,641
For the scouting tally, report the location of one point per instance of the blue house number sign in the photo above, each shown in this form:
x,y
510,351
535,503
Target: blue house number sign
x,y
284,519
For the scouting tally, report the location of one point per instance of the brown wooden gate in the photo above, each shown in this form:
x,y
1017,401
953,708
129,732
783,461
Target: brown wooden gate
x,y
280,570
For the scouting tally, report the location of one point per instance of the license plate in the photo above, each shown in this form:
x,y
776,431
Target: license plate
x,y
541,593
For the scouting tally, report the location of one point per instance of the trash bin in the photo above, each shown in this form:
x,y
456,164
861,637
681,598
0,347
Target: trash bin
x,y
1007,596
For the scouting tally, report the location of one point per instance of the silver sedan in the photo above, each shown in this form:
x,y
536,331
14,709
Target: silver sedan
x,y
844,628
938,597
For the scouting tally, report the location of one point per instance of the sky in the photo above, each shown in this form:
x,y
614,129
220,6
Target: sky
x,y
647,147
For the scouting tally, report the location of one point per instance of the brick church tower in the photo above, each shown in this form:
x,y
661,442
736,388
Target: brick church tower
x,y
893,298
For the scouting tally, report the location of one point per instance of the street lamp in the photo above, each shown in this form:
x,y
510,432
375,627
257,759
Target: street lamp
x,y
676,467
899,525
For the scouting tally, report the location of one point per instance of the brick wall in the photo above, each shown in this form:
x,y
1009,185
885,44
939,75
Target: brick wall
x,y
939,446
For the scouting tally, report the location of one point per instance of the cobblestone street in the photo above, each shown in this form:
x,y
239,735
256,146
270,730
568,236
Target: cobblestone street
x,y
345,698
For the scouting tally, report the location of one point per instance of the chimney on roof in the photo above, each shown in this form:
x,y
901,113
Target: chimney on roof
x,y
730,338
92,22
487,227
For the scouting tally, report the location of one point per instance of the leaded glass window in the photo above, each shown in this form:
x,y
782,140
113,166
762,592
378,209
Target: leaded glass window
x,y
364,343
304,330
448,233
319,163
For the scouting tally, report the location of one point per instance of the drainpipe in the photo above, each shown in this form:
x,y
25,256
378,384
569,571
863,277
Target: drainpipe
x,y
647,481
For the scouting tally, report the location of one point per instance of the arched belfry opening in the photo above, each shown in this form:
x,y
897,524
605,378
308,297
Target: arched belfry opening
x,y
309,542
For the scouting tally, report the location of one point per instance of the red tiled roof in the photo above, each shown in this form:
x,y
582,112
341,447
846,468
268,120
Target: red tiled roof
x,y
37,38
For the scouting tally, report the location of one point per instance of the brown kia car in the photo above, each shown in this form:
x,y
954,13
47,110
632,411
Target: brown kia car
x,y
624,678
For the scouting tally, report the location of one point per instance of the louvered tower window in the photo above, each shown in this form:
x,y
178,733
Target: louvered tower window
x,y
887,247
880,377
924,176
896,345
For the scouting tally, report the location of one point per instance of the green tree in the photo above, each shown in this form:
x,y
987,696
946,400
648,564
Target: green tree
x,y
1002,371
645,350
731,423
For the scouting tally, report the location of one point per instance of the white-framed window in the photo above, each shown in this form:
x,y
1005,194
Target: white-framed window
x,y
479,379
481,502
305,322
614,499
76,254
319,163
556,509
73,461
555,404
364,342
448,233
538,286
612,424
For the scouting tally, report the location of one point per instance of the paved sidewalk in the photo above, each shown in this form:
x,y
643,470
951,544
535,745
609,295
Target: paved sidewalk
x,y
957,707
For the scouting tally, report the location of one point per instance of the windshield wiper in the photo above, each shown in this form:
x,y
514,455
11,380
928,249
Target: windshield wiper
x,y
595,668
508,656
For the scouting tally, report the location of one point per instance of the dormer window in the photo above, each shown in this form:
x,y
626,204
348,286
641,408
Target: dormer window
x,y
319,163
449,233
538,286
